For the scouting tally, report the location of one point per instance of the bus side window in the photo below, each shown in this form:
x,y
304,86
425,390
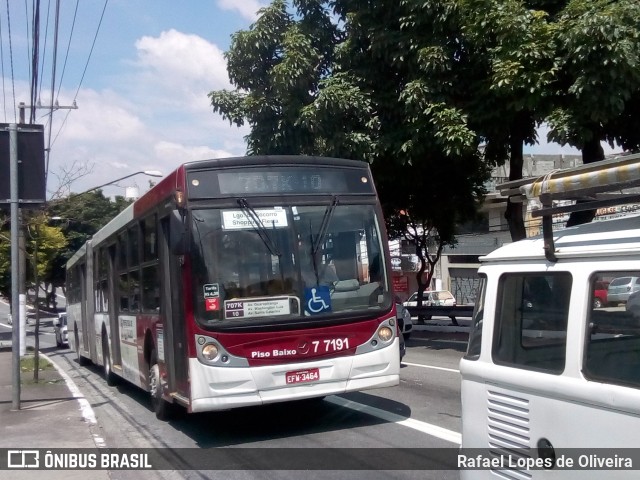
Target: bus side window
x,y
531,321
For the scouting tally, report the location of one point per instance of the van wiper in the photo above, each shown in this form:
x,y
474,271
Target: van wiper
x,y
259,227
328,213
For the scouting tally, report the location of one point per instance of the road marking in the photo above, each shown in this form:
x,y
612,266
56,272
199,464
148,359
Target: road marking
x,y
85,407
432,367
428,428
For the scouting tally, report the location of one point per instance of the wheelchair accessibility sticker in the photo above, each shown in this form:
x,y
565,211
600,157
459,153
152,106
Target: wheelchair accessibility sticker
x,y
317,300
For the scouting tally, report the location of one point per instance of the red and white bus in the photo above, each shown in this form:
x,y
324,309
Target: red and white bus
x,y
241,281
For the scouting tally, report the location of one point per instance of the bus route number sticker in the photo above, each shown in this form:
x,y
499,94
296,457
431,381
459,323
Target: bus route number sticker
x,y
211,297
275,217
257,308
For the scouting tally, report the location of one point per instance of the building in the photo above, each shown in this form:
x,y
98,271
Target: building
x,y
457,269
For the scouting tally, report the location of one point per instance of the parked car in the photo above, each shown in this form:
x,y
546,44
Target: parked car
x,y
404,320
432,298
620,288
60,330
600,298
633,304
405,325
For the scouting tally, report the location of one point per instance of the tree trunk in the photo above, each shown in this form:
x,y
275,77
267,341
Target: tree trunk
x,y
591,152
513,214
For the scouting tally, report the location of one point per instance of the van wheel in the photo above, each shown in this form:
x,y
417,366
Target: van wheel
x,y
160,406
109,376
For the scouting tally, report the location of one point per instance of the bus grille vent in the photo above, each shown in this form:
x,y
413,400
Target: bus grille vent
x,y
509,434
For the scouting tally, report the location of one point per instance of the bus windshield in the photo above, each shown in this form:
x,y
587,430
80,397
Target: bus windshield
x,y
286,262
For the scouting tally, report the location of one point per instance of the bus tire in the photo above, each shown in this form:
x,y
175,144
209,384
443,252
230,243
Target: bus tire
x,y
109,376
160,406
82,361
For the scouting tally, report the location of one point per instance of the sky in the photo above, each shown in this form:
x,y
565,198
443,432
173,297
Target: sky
x,y
142,103
139,72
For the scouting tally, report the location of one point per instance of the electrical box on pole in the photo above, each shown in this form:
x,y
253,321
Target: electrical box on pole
x,y
31,165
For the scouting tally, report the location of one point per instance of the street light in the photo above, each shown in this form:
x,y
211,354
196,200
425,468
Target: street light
x,y
151,173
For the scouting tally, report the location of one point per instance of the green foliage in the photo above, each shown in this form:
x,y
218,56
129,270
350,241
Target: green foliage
x,y
415,86
78,217
598,84
58,231
383,82
277,66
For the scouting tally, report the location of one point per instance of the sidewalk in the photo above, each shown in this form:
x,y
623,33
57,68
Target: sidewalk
x,y
49,417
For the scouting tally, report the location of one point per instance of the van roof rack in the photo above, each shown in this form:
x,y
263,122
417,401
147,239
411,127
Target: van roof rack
x,y
590,185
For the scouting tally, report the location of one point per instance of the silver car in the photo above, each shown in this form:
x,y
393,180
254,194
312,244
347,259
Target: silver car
x,y
60,330
432,298
620,288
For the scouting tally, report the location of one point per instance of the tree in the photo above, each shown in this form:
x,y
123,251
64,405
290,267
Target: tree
x,y
369,93
598,82
75,218
276,66
572,64
513,43
79,217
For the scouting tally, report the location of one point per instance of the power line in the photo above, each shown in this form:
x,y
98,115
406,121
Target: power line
x,y
13,82
53,87
4,96
92,46
66,57
44,47
104,8
34,59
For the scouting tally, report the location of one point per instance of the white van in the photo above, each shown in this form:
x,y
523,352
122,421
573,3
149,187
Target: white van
x,y
551,380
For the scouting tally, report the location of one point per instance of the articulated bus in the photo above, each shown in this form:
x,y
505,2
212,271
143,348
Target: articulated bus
x,y
241,281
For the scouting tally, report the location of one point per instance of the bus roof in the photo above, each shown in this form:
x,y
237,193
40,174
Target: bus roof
x,y
168,185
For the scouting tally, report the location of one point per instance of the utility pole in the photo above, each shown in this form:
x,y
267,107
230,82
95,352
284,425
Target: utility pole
x,y
22,318
15,336
24,155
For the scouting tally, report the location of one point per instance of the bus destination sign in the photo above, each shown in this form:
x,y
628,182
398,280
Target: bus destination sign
x,y
282,180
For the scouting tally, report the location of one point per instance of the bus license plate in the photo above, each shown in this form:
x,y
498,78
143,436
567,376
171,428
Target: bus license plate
x,y
302,376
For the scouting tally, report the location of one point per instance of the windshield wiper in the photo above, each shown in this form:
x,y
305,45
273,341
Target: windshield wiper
x,y
324,225
259,227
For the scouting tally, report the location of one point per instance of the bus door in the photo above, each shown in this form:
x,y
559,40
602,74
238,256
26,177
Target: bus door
x,y
175,347
84,315
110,263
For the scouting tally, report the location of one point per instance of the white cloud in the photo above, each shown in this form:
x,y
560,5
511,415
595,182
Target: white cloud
x,y
247,8
171,151
156,116
176,58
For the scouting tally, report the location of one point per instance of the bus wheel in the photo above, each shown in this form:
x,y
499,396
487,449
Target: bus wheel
x,y
109,376
160,406
81,360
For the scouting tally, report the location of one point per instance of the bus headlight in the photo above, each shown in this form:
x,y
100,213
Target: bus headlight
x,y
210,351
385,334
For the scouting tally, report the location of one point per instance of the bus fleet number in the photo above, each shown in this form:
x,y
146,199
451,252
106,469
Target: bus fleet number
x,y
333,345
